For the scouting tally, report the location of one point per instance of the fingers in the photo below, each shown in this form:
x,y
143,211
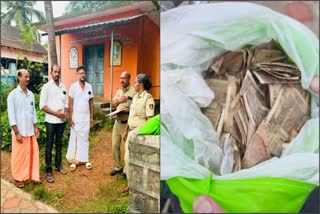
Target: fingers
x,y
124,138
19,139
123,99
205,204
37,133
314,85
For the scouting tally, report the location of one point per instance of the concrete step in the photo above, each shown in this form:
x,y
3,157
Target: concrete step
x,y
100,105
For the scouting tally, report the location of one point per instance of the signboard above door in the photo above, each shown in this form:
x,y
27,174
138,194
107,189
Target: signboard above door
x,y
100,34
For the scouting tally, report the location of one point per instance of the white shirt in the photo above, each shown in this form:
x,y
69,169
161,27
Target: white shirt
x,y
81,109
21,111
54,97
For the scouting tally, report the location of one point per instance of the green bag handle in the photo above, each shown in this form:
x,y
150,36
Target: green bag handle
x,y
265,194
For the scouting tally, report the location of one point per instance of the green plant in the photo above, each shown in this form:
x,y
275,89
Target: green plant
x,y
41,193
5,126
122,208
104,121
29,186
36,74
108,199
40,121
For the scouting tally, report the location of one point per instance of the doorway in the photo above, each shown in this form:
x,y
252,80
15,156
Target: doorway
x,y
94,62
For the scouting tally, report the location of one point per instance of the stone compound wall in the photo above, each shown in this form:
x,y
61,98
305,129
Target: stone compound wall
x,y
144,174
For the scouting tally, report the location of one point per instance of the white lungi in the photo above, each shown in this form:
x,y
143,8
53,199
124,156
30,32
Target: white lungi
x,y
78,148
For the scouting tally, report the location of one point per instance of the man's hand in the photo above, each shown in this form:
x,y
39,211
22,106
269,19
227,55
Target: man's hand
x,y
124,136
125,110
314,85
37,132
59,113
205,204
19,137
71,122
122,99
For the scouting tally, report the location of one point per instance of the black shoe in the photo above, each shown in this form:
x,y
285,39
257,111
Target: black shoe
x,y
114,172
123,176
61,170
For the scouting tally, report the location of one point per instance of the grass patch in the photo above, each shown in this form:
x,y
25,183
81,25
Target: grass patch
x,y
108,199
105,120
42,194
29,186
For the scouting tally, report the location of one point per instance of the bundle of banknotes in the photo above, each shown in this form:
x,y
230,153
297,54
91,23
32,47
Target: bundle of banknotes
x,y
259,104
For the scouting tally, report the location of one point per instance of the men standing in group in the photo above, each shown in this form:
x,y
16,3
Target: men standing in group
x,y
81,120
54,102
23,121
121,101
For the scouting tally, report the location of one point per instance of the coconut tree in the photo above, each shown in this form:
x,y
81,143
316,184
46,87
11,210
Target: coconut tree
x,y
81,6
21,12
51,32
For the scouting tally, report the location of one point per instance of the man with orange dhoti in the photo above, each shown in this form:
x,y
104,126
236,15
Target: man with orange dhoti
x,y
23,121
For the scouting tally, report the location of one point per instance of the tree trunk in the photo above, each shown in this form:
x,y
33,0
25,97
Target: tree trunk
x,y
51,33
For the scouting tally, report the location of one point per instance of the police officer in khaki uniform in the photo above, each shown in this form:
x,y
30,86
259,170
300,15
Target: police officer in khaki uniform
x,y
122,101
141,109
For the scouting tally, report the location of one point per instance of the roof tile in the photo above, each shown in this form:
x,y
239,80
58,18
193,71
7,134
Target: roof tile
x,y
10,37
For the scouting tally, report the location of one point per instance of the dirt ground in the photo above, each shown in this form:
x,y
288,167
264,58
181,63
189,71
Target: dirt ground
x,y
82,184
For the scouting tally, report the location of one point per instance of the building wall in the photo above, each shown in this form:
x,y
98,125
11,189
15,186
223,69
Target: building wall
x,y
129,55
13,53
150,55
140,53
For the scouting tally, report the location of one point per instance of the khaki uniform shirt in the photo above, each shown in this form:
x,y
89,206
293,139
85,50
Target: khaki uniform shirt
x,y
129,91
142,107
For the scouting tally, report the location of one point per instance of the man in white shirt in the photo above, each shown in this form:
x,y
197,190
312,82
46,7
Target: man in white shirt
x,y
54,101
23,121
81,120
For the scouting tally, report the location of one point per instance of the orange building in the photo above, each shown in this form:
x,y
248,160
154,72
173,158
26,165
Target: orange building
x,y
85,39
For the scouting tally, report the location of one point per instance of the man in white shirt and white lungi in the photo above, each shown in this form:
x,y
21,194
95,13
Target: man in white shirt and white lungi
x,y
81,120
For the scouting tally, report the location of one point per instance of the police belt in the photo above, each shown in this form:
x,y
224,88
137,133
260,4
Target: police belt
x,y
122,122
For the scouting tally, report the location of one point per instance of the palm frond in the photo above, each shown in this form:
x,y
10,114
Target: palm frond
x,y
38,14
7,18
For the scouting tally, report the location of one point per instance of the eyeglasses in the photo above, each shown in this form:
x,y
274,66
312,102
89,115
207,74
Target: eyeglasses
x,y
81,73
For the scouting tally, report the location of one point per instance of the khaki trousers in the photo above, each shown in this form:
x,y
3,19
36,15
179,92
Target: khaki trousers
x,y
117,133
126,152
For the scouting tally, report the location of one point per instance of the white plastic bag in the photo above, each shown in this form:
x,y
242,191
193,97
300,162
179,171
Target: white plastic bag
x,y
191,36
